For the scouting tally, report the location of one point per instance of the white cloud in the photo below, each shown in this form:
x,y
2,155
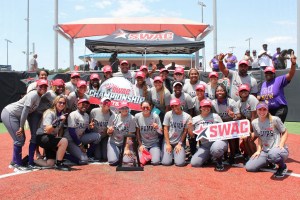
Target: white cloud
x,y
103,4
79,7
280,40
285,23
130,8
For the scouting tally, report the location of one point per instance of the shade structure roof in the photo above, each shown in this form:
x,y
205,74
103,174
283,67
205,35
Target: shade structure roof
x,y
105,26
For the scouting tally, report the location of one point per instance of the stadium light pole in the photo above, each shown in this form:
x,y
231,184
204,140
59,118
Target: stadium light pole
x,y
7,41
55,36
203,49
27,50
248,39
215,26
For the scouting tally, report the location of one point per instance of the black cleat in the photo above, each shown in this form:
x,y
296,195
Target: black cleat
x,y
281,171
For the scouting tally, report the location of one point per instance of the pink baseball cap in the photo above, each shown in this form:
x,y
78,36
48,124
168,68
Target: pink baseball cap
x,y
58,82
81,83
123,104
143,67
94,76
74,74
107,68
174,102
200,87
205,102
179,70
270,69
244,87
42,82
211,74
158,78
140,74
124,62
243,62
82,100
163,69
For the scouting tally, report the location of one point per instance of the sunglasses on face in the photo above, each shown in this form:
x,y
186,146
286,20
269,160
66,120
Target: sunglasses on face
x,y
75,77
145,108
61,103
178,74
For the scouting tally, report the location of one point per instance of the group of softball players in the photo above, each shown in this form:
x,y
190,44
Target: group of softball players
x,y
66,126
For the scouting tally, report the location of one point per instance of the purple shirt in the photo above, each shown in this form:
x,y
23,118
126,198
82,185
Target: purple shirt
x,y
229,64
273,92
215,63
274,58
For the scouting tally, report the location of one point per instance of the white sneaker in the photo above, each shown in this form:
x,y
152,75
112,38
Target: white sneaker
x,y
18,168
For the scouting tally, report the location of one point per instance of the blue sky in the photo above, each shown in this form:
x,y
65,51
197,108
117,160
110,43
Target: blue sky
x,y
272,22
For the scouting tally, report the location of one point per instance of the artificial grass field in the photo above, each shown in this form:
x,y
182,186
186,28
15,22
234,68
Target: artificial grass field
x,y
293,127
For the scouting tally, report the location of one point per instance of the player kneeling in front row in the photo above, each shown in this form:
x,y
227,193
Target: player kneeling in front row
x,y
207,149
49,135
271,147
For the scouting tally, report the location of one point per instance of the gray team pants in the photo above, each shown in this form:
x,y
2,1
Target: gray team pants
x,y
155,154
12,125
214,149
167,158
113,152
274,155
75,150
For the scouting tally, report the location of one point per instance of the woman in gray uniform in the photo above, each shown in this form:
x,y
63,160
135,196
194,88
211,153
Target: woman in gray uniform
x,y
212,85
148,129
119,125
100,117
14,116
175,130
79,93
191,83
216,149
140,87
79,134
272,136
49,135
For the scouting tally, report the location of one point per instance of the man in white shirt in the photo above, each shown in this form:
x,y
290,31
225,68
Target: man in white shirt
x,y
265,58
255,64
33,64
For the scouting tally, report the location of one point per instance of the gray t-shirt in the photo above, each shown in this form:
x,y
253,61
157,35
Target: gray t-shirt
x,y
221,109
30,100
149,135
122,126
196,105
268,132
177,124
69,86
155,98
100,120
185,101
236,80
191,89
130,76
248,106
212,118
79,122
210,92
149,82
48,117
72,100
46,101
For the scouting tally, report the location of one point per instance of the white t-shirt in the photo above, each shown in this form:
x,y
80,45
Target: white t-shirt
x,y
265,60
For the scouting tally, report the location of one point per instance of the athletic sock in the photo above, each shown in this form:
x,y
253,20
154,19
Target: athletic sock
x,y
31,152
91,150
17,155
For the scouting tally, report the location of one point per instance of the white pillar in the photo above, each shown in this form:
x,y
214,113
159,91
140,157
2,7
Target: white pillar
x,y
215,26
298,30
55,36
71,54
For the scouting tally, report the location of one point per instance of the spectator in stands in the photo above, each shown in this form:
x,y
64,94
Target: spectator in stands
x,y
265,58
33,63
114,62
214,63
249,59
275,58
272,90
255,64
172,67
98,65
160,64
230,61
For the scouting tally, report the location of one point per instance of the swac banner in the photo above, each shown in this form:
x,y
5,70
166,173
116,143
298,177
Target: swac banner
x,y
118,89
223,131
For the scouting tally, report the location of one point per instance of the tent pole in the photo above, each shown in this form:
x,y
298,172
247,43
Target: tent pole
x,y
71,54
55,36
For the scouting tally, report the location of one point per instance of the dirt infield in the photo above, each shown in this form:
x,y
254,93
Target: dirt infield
x,y
96,181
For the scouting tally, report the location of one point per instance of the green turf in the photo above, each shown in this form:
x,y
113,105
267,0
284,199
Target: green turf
x,y
293,127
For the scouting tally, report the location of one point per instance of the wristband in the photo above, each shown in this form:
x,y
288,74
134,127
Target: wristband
x,y
180,143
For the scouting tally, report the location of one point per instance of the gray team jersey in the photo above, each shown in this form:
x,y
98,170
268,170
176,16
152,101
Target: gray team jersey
x,y
121,127
46,101
79,122
212,118
236,80
221,109
155,98
31,100
197,105
130,76
149,135
210,92
48,118
176,123
268,132
149,82
248,106
191,89
32,86
139,91
69,86
72,100
101,120
185,101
